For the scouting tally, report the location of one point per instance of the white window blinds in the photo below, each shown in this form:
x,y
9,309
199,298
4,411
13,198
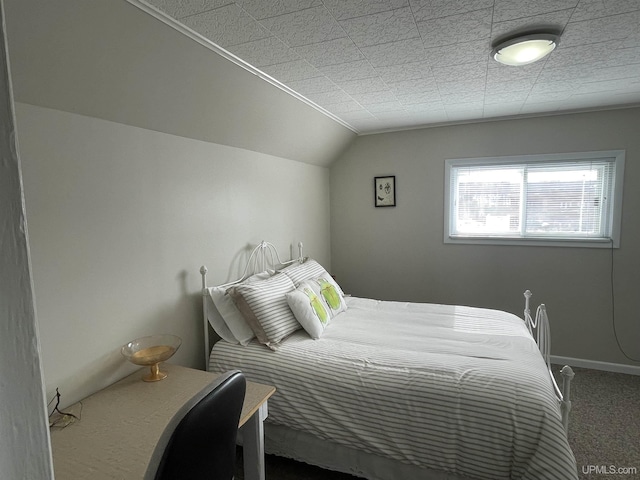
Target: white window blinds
x,y
533,198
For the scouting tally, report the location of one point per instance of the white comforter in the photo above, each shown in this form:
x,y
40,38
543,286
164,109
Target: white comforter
x,y
458,389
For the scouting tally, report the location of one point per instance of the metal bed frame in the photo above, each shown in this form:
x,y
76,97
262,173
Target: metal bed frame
x,y
262,257
265,256
541,332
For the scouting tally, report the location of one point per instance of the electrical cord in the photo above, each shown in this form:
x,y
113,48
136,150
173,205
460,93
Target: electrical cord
x,y
613,311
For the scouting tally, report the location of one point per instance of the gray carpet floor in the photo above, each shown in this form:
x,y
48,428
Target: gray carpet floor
x,y
604,432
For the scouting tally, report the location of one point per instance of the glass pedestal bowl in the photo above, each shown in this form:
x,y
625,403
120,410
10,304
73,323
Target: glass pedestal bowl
x,y
151,351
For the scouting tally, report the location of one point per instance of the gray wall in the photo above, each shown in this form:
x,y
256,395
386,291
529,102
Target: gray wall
x,y
110,60
121,219
146,155
398,253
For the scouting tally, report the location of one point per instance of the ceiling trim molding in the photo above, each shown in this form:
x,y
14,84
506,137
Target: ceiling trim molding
x,y
166,19
504,118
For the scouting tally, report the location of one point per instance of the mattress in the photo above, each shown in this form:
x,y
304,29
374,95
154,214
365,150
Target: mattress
x,y
450,388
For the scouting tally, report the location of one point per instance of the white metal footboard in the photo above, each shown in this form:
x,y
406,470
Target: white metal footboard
x,y
540,330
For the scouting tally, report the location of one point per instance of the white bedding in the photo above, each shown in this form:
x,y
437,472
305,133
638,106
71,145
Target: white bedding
x,y
456,389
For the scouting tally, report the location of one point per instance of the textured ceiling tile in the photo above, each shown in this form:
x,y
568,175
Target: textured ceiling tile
x,y
600,99
330,98
356,115
551,96
365,85
333,52
349,71
395,53
430,9
581,54
494,88
400,73
632,40
591,9
619,72
552,21
429,108
420,85
292,71
343,9
467,71
510,97
347,107
462,98
504,73
473,86
385,107
313,85
568,72
431,97
226,26
259,9
543,88
619,57
616,27
304,27
469,52
461,28
266,51
512,9
608,85
184,8
365,99
382,27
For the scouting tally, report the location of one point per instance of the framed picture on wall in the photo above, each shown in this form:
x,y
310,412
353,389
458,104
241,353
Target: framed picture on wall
x,y
385,191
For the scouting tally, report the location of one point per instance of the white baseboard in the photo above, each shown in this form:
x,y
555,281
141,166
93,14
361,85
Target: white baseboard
x,y
596,365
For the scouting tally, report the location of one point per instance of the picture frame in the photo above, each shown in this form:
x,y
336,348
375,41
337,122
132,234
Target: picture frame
x,y
384,191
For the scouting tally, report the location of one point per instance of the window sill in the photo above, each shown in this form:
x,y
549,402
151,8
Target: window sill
x,y
535,242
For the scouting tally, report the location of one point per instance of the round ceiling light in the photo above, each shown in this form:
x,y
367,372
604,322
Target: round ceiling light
x,y
525,49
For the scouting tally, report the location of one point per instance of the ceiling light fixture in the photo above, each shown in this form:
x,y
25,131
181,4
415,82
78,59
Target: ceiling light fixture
x,y
525,49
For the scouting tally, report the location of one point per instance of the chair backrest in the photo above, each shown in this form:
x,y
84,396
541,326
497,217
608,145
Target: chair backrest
x,y
203,443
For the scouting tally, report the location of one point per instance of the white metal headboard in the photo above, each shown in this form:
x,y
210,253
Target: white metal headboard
x,y
262,257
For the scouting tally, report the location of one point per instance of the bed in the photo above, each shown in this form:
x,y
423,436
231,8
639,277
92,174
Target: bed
x,y
391,390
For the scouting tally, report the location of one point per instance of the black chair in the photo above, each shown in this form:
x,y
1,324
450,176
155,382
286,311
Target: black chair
x,y
200,440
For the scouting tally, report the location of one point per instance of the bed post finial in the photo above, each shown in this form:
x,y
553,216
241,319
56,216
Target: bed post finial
x,y
567,376
203,272
527,311
300,257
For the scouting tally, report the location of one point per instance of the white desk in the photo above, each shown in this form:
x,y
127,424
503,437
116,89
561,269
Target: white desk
x,y
120,426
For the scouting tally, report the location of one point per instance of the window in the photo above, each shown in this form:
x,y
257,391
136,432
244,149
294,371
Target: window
x,y
562,200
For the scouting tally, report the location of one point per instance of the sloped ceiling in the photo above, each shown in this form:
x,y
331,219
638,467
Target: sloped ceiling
x,y
391,64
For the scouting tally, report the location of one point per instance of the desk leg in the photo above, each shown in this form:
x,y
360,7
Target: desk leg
x,y
253,444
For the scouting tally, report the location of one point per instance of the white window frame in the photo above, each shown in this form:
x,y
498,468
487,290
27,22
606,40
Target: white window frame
x,y
614,211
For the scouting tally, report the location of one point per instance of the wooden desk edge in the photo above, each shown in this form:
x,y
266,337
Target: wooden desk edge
x,y
257,394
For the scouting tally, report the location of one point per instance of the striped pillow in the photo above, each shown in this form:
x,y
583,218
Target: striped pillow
x,y
300,272
264,306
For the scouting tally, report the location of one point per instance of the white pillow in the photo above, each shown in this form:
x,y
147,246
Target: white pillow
x,y
310,308
331,293
264,306
217,322
233,319
315,302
